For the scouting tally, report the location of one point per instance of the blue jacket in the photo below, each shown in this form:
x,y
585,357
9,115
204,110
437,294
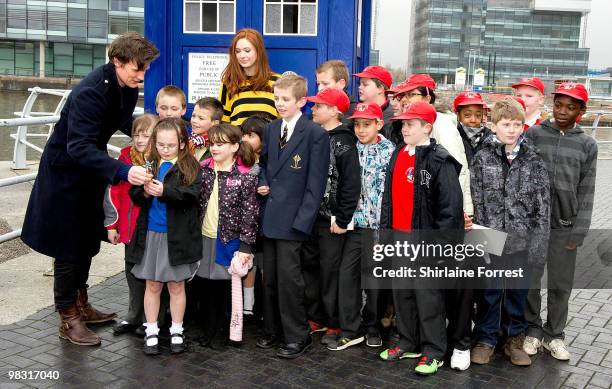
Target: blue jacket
x,y
65,215
296,176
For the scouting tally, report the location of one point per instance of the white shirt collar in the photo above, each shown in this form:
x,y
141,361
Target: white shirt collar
x,y
291,124
411,151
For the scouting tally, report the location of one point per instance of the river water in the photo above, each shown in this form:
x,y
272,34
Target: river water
x,y
13,101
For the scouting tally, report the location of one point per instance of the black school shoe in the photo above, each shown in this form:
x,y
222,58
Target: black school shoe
x,y
124,327
266,342
177,348
151,350
294,350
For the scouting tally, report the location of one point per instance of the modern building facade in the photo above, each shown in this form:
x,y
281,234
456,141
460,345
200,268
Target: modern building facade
x,y
508,38
62,38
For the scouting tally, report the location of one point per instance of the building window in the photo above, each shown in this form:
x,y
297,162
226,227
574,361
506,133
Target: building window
x,y
209,16
7,57
290,17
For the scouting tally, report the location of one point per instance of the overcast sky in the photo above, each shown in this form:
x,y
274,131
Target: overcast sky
x,y
394,19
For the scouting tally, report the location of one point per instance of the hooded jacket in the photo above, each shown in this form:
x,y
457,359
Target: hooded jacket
x,y
373,162
571,160
512,197
343,181
438,199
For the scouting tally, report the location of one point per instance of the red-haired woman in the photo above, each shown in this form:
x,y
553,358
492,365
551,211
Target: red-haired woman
x,y
246,83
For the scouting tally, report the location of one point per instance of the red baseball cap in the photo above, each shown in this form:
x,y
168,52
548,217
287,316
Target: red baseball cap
x,y
415,81
468,98
573,89
521,102
334,97
378,72
419,110
533,82
367,111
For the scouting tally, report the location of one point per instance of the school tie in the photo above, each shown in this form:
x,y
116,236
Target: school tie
x,y
283,139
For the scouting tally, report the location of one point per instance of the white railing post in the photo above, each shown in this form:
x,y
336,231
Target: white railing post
x,y
20,151
595,124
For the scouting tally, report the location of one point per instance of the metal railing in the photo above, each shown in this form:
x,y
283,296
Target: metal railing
x,y
26,118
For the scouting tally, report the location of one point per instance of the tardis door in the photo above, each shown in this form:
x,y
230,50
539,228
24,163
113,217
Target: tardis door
x,y
193,37
295,34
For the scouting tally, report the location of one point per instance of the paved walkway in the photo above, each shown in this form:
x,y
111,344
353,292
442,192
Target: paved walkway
x,y
31,346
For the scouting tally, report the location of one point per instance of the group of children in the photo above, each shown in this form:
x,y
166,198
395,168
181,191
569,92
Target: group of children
x,y
299,193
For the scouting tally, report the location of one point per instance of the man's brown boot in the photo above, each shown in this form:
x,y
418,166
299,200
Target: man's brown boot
x,y
74,330
88,313
514,349
481,354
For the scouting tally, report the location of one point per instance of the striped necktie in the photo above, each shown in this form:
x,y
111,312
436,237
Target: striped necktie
x,y
283,140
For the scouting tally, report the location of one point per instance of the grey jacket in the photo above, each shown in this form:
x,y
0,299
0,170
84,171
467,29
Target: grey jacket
x,y
571,160
512,197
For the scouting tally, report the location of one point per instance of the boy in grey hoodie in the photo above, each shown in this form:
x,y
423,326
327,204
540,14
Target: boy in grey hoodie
x,y
571,159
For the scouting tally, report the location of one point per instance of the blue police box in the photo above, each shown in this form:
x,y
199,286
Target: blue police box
x,y
193,37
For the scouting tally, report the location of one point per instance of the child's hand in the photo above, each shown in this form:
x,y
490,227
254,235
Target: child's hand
x,y
137,175
243,257
467,222
263,190
334,229
113,236
154,188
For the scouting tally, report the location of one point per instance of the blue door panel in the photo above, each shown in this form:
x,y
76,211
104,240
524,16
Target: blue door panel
x,y
336,39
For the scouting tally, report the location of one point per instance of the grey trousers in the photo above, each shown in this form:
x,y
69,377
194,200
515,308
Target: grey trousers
x,y
561,264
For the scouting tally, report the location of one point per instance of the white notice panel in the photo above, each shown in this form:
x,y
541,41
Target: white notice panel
x,y
205,75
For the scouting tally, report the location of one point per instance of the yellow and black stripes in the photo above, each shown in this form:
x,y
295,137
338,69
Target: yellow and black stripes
x,y
247,103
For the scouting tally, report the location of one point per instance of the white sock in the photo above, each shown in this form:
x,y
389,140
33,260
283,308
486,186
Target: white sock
x,y
151,329
249,298
176,328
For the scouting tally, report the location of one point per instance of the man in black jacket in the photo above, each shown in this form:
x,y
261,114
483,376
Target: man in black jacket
x,y
65,216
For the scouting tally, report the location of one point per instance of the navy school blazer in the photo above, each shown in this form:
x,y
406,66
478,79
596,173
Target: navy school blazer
x,y
296,175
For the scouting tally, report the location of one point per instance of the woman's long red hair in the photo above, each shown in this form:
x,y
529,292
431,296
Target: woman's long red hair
x,y
234,75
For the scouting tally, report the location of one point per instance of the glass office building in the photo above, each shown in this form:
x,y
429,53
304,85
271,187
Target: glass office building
x,y
67,37
519,38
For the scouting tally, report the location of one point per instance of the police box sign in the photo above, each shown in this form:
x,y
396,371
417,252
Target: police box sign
x,y
205,75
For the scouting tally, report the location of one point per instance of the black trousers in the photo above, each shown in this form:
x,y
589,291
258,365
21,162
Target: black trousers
x,y
214,308
68,277
459,312
284,288
325,268
310,272
349,291
421,321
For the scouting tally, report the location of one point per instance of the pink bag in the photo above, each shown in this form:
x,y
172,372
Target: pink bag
x,y
237,270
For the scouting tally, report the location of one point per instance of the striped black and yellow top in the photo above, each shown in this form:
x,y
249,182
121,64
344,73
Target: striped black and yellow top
x,y
247,103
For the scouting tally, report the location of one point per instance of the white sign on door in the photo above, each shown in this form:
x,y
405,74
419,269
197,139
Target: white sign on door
x,y
204,79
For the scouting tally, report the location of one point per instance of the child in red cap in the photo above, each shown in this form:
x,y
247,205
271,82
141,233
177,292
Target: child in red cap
x,y
324,252
374,81
422,192
531,91
470,110
374,152
571,159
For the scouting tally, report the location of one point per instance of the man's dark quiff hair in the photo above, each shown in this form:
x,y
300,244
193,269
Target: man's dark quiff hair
x,y
131,46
